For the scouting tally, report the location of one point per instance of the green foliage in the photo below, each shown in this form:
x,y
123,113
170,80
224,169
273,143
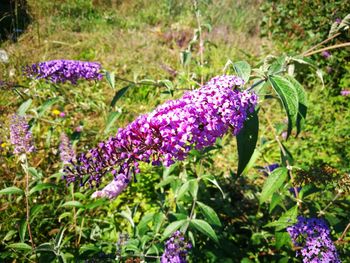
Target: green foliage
x,y
227,216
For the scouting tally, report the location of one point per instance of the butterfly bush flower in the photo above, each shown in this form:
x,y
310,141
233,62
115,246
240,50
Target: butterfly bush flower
x,y
166,135
313,235
176,249
345,92
61,71
67,153
20,136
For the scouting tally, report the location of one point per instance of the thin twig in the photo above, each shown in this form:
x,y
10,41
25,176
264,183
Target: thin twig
x,y
322,212
321,43
343,234
327,48
25,166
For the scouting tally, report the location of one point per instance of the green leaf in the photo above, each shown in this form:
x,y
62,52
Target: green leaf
x,y
275,201
282,239
112,117
287,219
171,228
88,247
193,187
11,190
153,250
287,156
76,204
183,190
24,107
243,70
246,141
20,246
211,179
185,57
142,226
205,228
127,214
166,181
120,93
209,214
302,103
22,230
45,247
289,97
277,66
46,106
273,182
110,76
63,215
40,187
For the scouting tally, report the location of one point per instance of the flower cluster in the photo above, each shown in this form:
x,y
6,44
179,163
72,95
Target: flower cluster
x,y
167,134
176,249
61,71
313,235
67,153
345,92
20,135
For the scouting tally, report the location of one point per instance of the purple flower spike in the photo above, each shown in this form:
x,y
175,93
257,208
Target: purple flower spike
x,y
61,71
20,135
313,235
67,153
167,134
176,249
345,92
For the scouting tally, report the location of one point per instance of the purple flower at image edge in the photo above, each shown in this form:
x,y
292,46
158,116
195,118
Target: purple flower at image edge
x,y
345,92
61,71
313,236
20,136
165,135
292,190
176,249
326,54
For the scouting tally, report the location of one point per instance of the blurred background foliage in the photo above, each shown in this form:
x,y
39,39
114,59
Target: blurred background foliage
x,y
145,39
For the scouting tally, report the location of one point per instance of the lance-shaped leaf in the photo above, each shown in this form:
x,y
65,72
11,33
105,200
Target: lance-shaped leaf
x,y
205,228
302,103
246,141
273,183
243,70
289,97
120,93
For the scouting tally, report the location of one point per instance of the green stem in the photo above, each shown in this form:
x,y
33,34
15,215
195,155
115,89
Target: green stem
x,y
24,162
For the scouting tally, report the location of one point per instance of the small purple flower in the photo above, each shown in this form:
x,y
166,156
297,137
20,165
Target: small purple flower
x,y
345,92
270,168
67,153
61,71
176,249
168,133
313,235
20,136
78,128
326,54
338,20
292,190
284,135
62,114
